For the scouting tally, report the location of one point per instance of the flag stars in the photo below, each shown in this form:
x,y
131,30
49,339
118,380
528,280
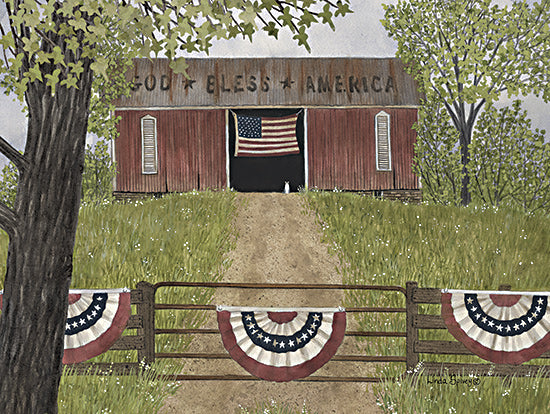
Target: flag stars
x,y
267,339
516,327
281,344
470,301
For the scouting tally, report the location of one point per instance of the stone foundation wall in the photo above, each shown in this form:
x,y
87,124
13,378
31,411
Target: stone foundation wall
x,y
409,196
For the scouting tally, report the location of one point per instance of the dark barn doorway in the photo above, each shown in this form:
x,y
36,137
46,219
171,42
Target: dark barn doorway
x,y
266,174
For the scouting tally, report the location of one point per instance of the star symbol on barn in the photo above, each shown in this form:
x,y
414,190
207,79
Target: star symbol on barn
x,y
188,83
287,83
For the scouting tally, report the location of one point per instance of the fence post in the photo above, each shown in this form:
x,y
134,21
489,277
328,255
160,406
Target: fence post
x,y
147,311
412,331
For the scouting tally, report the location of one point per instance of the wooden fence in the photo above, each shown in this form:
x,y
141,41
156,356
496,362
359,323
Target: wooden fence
x,y
143,341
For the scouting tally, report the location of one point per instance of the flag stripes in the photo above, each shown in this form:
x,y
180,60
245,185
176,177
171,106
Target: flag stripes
x,y
265,136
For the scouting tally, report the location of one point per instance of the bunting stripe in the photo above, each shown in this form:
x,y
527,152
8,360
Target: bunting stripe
x,y
504,328
280,345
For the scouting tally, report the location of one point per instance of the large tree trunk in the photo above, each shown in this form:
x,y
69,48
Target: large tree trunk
x,y
39,268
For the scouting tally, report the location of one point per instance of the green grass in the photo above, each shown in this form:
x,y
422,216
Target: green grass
x,y
94,394
381,242
444,394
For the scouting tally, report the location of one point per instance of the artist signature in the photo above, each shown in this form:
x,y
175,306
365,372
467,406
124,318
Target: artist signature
x,y
452,379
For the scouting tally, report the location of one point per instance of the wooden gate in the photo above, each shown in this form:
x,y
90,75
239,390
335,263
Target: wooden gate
x,y
150,306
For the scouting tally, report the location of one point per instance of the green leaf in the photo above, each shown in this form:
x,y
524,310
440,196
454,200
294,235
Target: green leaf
x,y
53,79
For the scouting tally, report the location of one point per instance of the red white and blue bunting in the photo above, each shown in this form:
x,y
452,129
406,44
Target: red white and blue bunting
x,y
95,320
281,344
501,327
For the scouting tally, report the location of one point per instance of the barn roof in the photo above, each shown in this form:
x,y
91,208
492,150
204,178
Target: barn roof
x,y
271,82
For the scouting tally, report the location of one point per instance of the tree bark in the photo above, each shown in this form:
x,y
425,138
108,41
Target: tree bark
x,y
39,266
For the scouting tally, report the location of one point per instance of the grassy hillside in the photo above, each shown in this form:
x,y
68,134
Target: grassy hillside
x,y
389,243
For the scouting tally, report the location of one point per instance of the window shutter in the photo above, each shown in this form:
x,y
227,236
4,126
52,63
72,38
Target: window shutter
x,y
383,147
149,161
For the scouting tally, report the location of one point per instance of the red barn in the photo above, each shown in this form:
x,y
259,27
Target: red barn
x,y
253,123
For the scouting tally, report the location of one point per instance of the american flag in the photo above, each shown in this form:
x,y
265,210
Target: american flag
x,y
265,136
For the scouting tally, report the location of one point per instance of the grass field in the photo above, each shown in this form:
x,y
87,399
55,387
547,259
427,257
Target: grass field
x,y
389,243
184,237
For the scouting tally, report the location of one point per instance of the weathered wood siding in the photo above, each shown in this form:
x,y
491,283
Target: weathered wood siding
x,y
341,149
271,82
191,151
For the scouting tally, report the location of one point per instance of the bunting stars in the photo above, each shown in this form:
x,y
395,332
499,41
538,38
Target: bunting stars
x,y
265,337
517,325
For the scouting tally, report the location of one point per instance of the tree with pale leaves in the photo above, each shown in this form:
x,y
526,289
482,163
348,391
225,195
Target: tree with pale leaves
x,y
52,52
466,53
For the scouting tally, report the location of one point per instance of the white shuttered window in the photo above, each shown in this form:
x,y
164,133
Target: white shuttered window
x,y
149,159
383,147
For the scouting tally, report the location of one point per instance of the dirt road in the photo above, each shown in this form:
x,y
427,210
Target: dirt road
x,y
278,243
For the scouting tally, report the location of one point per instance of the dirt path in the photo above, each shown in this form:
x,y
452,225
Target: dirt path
x,y
277,243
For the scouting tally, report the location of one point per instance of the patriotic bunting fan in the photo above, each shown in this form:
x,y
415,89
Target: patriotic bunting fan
x,y
281,344
501,327
95,320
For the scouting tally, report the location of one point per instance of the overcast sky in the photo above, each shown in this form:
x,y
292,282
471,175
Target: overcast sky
x,y
357,35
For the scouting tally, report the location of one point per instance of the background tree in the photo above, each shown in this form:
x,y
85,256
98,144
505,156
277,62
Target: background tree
x,y
99,172
437,158
510,163
466,53
51,50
